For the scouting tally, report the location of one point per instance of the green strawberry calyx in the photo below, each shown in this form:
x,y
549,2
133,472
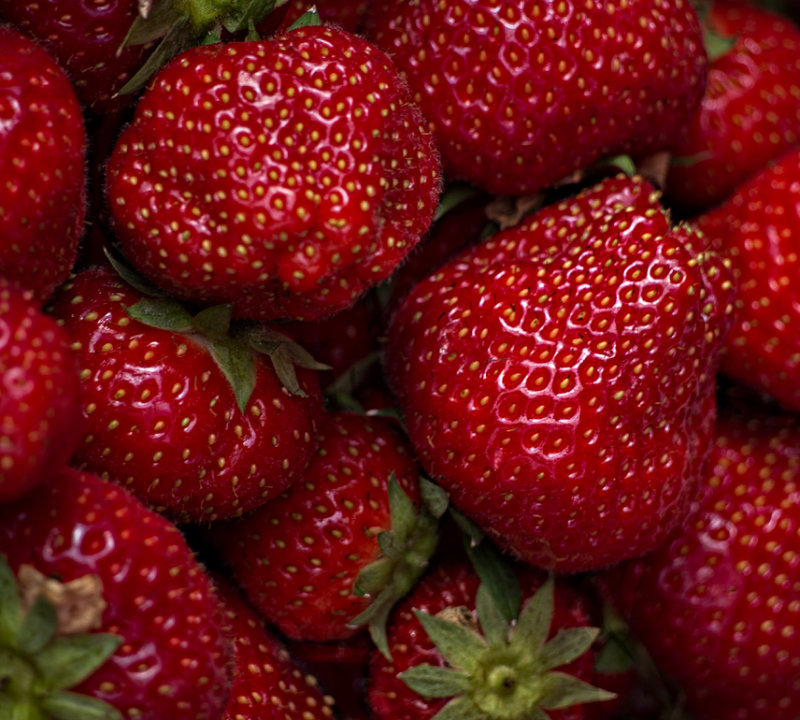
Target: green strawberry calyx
x,y
232,346
501,670
405,552
45,650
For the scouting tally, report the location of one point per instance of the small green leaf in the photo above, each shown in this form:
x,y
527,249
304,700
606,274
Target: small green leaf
x,y
351,379
471,532
434,498
378,616
390,546
236,362
309,17
493,624
374,577
431,681
214,322
460,646
243,15
71,706
567,645
131,276
561,690
614,657
161,313
153,22
460,708
535,619
402,510
38,627
624,163
10,605
498,575
70,659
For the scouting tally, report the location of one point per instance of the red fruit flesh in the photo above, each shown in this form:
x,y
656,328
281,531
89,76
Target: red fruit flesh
x,y
173,661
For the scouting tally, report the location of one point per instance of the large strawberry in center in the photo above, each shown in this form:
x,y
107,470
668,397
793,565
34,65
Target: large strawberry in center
x,y
284,177
557,380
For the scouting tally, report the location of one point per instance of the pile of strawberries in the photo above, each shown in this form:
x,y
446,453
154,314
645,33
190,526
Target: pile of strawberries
x,y
399,360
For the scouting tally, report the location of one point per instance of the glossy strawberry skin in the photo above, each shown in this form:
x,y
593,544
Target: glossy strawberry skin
x,y
40,416
521,94
85,37
160,418
558,379
297,557
454,584
42,148
750,113
758,228
267,683
284,177
173,660
716,605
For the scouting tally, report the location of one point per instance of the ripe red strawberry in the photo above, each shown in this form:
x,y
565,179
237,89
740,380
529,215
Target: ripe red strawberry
x,y
351,517
758,228
42,147
521,94
107,564
558,379
750,113
267,682
189,418
717,605
284,177
444,666
40,416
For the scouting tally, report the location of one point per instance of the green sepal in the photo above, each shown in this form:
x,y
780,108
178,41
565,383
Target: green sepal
x,y
213,322
492,567
374,577
131,276
567,645
623,163
38,627
459,645
10,605
161,313
243,15
535,618
71,706
390,546
434,498
460,708
152,22
308,18
562,690
345,385
402,511
236,362
494,625
70,659
432,681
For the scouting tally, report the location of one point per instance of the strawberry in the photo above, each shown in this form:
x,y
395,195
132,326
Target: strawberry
x,y
521,94
341,545
558,379
39,404
758,228
267,683
456,654
125,615
716,605
42,148
750,113
283,177
188,417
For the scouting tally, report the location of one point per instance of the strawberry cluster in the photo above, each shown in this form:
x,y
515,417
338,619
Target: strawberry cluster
x,y
399,360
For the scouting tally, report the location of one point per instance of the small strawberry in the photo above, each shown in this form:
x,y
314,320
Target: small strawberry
x,y
42,147
716,605
283,177
558,379
40,416
456,654
521,94
267,683
185,414
115,610
758,229
341,545
750,113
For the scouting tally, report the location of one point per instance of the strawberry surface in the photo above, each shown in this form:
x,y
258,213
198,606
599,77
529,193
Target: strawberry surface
x,y
750,112
758,229
297,557
284,177
520,94
558,379
40,416
161,418
173,658
716,605
42,147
